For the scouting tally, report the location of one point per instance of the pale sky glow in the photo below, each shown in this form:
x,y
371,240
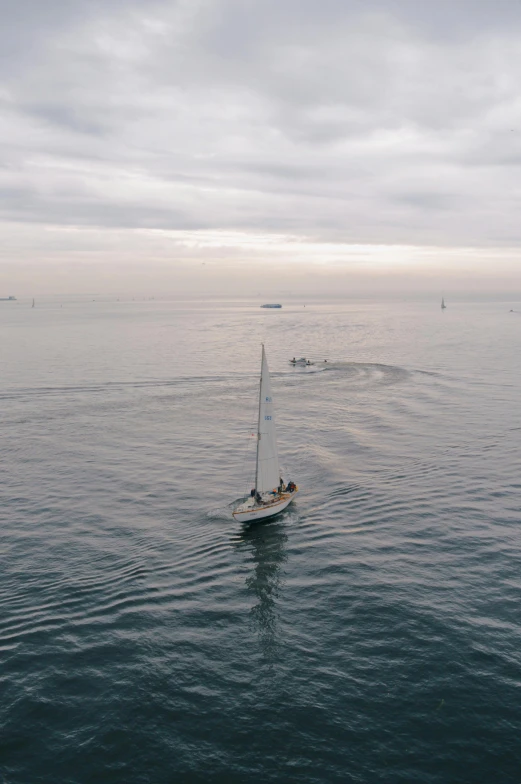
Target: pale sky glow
x,y
377,137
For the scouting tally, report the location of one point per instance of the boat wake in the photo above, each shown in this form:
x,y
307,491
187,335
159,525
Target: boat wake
x,y
225,512
362,373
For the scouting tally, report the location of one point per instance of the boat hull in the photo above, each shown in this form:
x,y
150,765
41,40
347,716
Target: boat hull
x,y
249,515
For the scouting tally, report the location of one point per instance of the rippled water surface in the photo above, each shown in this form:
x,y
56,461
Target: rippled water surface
x,y
371,633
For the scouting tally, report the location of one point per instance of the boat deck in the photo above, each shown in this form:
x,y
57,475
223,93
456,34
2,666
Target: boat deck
x,y
269,504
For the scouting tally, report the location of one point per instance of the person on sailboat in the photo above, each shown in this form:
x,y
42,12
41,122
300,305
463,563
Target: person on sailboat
x,y
281,486
290,487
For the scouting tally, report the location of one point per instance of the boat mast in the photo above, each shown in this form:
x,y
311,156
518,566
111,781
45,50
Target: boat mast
x,y
259,422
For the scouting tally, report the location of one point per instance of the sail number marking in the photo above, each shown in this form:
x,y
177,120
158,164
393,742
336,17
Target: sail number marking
x,y
267,417
268,400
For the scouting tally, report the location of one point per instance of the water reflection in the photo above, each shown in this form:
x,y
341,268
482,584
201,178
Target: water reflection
x,y
266,543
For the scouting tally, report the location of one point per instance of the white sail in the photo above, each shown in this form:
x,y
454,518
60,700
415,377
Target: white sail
x,y
267,473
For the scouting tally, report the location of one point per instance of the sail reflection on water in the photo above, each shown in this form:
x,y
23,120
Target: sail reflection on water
x,y
266,544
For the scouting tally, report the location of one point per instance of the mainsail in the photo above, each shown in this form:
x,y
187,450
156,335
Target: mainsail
x,y
267,475
269,498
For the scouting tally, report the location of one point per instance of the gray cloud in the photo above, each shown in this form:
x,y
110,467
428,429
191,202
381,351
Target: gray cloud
x,y
391,122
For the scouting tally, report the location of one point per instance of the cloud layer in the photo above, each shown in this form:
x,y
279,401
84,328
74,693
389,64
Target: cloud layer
x,y
334,121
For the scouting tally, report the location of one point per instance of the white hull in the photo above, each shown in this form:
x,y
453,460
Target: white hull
x,y
250,511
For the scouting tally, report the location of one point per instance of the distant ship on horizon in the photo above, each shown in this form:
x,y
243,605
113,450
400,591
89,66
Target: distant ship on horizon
x,y
271,306
8,299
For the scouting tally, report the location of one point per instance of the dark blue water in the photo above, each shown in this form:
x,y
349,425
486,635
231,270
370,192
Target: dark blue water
x,y
369,634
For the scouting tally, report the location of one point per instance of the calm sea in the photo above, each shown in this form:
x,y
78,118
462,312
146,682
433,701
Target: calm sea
x,y
369,634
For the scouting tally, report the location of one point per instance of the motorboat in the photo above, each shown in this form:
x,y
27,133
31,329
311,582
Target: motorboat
x,y
301,361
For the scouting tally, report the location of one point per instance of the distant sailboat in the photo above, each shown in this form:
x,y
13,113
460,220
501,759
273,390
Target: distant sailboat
x,y
32,304
269,496
443,305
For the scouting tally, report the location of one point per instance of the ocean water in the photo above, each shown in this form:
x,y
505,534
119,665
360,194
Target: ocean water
x,y
371,633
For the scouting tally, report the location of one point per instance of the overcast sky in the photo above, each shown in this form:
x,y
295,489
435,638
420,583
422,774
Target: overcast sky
x,y
342,136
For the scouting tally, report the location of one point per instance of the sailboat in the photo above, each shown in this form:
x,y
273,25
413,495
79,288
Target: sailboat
x,y
32,304
443,305
270,495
